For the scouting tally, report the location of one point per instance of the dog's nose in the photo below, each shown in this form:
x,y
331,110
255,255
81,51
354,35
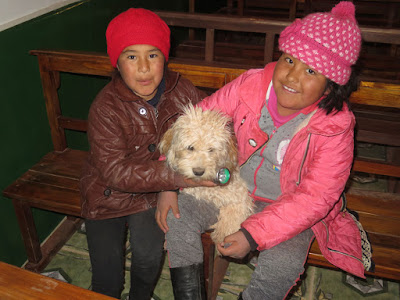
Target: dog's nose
x,y
198,171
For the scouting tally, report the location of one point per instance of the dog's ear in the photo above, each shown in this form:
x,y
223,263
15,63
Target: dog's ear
x,y
166,141
232,153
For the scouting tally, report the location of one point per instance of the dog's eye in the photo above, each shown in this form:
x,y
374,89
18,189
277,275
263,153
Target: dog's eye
x,y
211,150
190,148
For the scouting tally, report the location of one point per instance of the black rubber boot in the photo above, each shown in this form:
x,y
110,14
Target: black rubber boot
x,y
188,282
240,297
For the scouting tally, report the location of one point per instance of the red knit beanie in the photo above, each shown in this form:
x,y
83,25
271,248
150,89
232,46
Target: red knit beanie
x,y
328,42
136,26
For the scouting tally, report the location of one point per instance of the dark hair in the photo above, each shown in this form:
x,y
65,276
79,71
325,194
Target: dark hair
x,y
339,94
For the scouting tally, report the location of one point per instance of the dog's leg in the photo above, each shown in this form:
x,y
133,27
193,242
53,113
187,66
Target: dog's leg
x,y
229,220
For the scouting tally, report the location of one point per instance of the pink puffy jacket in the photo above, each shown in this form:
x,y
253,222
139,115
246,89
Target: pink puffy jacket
x,y
314,172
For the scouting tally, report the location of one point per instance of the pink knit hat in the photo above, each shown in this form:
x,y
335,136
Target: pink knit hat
x,y
136,26
328,42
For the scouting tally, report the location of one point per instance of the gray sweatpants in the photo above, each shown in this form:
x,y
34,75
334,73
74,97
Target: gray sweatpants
x,y
277,271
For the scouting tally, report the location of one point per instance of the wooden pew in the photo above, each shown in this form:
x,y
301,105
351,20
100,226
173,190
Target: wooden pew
x,y
381,13
252,41
52,183
20,284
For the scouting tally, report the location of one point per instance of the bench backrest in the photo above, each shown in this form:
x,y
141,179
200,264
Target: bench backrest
x,y
271,28
52,63
203,75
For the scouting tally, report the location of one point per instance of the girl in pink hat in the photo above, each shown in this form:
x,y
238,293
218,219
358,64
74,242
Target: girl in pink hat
x,y
123,175
295,137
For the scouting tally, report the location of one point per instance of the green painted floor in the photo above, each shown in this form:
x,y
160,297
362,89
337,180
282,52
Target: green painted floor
x,y
72,264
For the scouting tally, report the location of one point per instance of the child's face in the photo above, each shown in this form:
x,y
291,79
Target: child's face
x,y
142,69
296,85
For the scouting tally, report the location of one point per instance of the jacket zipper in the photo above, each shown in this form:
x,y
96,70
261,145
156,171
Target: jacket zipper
x,y
323,222
336,251
304,159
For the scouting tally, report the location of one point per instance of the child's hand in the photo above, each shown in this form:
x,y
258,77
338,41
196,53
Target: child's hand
x,y
166,200
234,245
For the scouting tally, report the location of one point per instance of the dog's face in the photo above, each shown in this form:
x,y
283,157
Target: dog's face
x,y
199,144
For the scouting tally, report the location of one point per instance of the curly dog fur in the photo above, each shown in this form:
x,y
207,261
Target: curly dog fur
x,y
197,146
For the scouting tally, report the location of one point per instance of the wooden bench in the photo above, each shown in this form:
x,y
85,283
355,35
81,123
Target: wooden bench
x,y
382,13
18,284
246,42
52,183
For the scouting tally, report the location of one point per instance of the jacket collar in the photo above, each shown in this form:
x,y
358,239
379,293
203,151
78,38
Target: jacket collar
x,y
124,93
256,101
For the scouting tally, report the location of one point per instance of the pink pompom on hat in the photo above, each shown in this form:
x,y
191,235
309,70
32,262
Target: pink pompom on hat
x,y
133,27
329,42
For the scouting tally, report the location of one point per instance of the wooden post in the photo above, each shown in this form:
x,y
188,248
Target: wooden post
x,y
192,5
292,9
269,47
50,83
209,55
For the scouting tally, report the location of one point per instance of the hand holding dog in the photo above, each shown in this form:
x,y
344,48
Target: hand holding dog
x,y
169,200
236,245
166,200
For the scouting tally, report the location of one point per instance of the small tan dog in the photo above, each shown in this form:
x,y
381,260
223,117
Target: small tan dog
x,y
198,145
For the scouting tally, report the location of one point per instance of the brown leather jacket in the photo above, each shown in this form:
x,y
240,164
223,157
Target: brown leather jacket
x,y
122,174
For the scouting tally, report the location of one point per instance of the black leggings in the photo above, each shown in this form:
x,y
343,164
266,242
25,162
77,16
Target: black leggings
x,y
106,241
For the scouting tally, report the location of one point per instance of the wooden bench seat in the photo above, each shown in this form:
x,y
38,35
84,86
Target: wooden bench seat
x,y
52,183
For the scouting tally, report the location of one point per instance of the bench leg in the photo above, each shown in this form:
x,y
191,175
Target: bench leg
x,y
209,252
28,231
39,255
220,266
214,267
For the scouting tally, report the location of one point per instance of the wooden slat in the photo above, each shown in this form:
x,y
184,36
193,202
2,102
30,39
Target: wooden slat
x,y
18,284
373,202
369,166
206,76
386,259
64,164
73,123
47,197
51,180
377,94
77,62
382,225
